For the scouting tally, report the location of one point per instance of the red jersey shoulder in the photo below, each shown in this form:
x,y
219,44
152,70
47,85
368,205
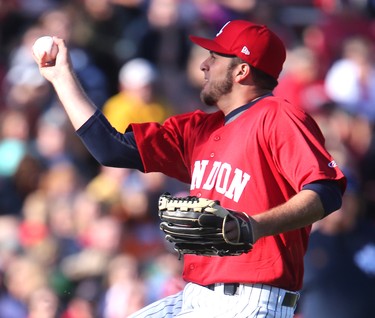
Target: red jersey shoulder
x,y
277,105
195,121
278,111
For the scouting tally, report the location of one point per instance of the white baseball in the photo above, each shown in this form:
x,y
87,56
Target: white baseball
x,y
44,45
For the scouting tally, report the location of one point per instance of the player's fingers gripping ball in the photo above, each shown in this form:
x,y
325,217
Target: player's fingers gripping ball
x,y
45,51
203,227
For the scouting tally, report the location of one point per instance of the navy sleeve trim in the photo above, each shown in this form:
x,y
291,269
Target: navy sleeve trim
x,y
108,146
329,192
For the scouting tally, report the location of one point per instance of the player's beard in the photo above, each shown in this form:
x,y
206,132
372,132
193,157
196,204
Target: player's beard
x,y
212,92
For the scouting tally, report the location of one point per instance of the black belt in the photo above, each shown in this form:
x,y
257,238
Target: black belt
x,y
229,288
290,299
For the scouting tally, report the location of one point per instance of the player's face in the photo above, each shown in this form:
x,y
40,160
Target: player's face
x,y
218,78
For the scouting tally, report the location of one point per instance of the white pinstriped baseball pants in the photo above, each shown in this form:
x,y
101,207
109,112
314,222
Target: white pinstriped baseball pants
x,y
250,301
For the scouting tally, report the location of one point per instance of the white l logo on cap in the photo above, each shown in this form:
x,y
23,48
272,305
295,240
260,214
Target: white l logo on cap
x,y
221,30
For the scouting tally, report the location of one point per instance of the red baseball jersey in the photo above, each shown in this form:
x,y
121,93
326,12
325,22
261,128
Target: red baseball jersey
x,y
251,164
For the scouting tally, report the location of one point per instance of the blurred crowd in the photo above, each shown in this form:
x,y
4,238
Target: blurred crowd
x,y
78,240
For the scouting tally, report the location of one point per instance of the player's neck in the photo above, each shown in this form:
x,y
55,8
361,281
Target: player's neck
x,y
234,101
239,110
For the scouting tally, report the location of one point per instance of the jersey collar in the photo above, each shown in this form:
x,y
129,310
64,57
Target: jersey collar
x,y
238,111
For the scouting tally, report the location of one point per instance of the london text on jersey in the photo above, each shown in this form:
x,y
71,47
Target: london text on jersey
x,y
221,176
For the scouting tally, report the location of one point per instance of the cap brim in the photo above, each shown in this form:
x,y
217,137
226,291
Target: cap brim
x,y
209,44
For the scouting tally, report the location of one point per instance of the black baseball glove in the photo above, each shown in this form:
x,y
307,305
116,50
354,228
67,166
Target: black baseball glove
x,y
203,227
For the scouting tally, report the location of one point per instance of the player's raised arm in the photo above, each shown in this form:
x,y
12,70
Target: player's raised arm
x,y
58,70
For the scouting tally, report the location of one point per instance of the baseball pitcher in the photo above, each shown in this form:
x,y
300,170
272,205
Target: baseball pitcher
x,y
258,171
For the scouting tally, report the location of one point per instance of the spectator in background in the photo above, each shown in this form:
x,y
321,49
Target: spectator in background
x,y
137,100
162,276
9,243
99,26
350,81
160,37
100,244
106,186
206,16
60,181
49,145
70,222
302,82
140,195
25,91
336,21
80,305
34,233
14,136
43,303
124,291
22,277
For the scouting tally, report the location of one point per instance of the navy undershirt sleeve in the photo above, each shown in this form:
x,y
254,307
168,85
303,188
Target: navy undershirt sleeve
x,y
329,192
108,146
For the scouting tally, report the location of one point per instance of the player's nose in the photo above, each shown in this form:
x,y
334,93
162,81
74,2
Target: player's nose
x,y
204,66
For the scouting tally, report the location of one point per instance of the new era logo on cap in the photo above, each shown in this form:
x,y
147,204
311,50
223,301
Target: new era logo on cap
x,y
254,43
245,50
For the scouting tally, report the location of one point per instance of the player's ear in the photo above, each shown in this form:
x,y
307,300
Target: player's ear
x,y
243,71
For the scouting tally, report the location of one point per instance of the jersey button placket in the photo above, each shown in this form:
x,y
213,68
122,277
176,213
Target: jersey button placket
x,y
215,138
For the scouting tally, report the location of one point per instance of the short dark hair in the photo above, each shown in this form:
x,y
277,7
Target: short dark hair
x,y
260,78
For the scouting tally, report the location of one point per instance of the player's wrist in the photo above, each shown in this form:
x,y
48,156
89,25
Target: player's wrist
x,y
246,229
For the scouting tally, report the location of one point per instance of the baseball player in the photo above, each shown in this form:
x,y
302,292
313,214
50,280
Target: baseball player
x,y
262,159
